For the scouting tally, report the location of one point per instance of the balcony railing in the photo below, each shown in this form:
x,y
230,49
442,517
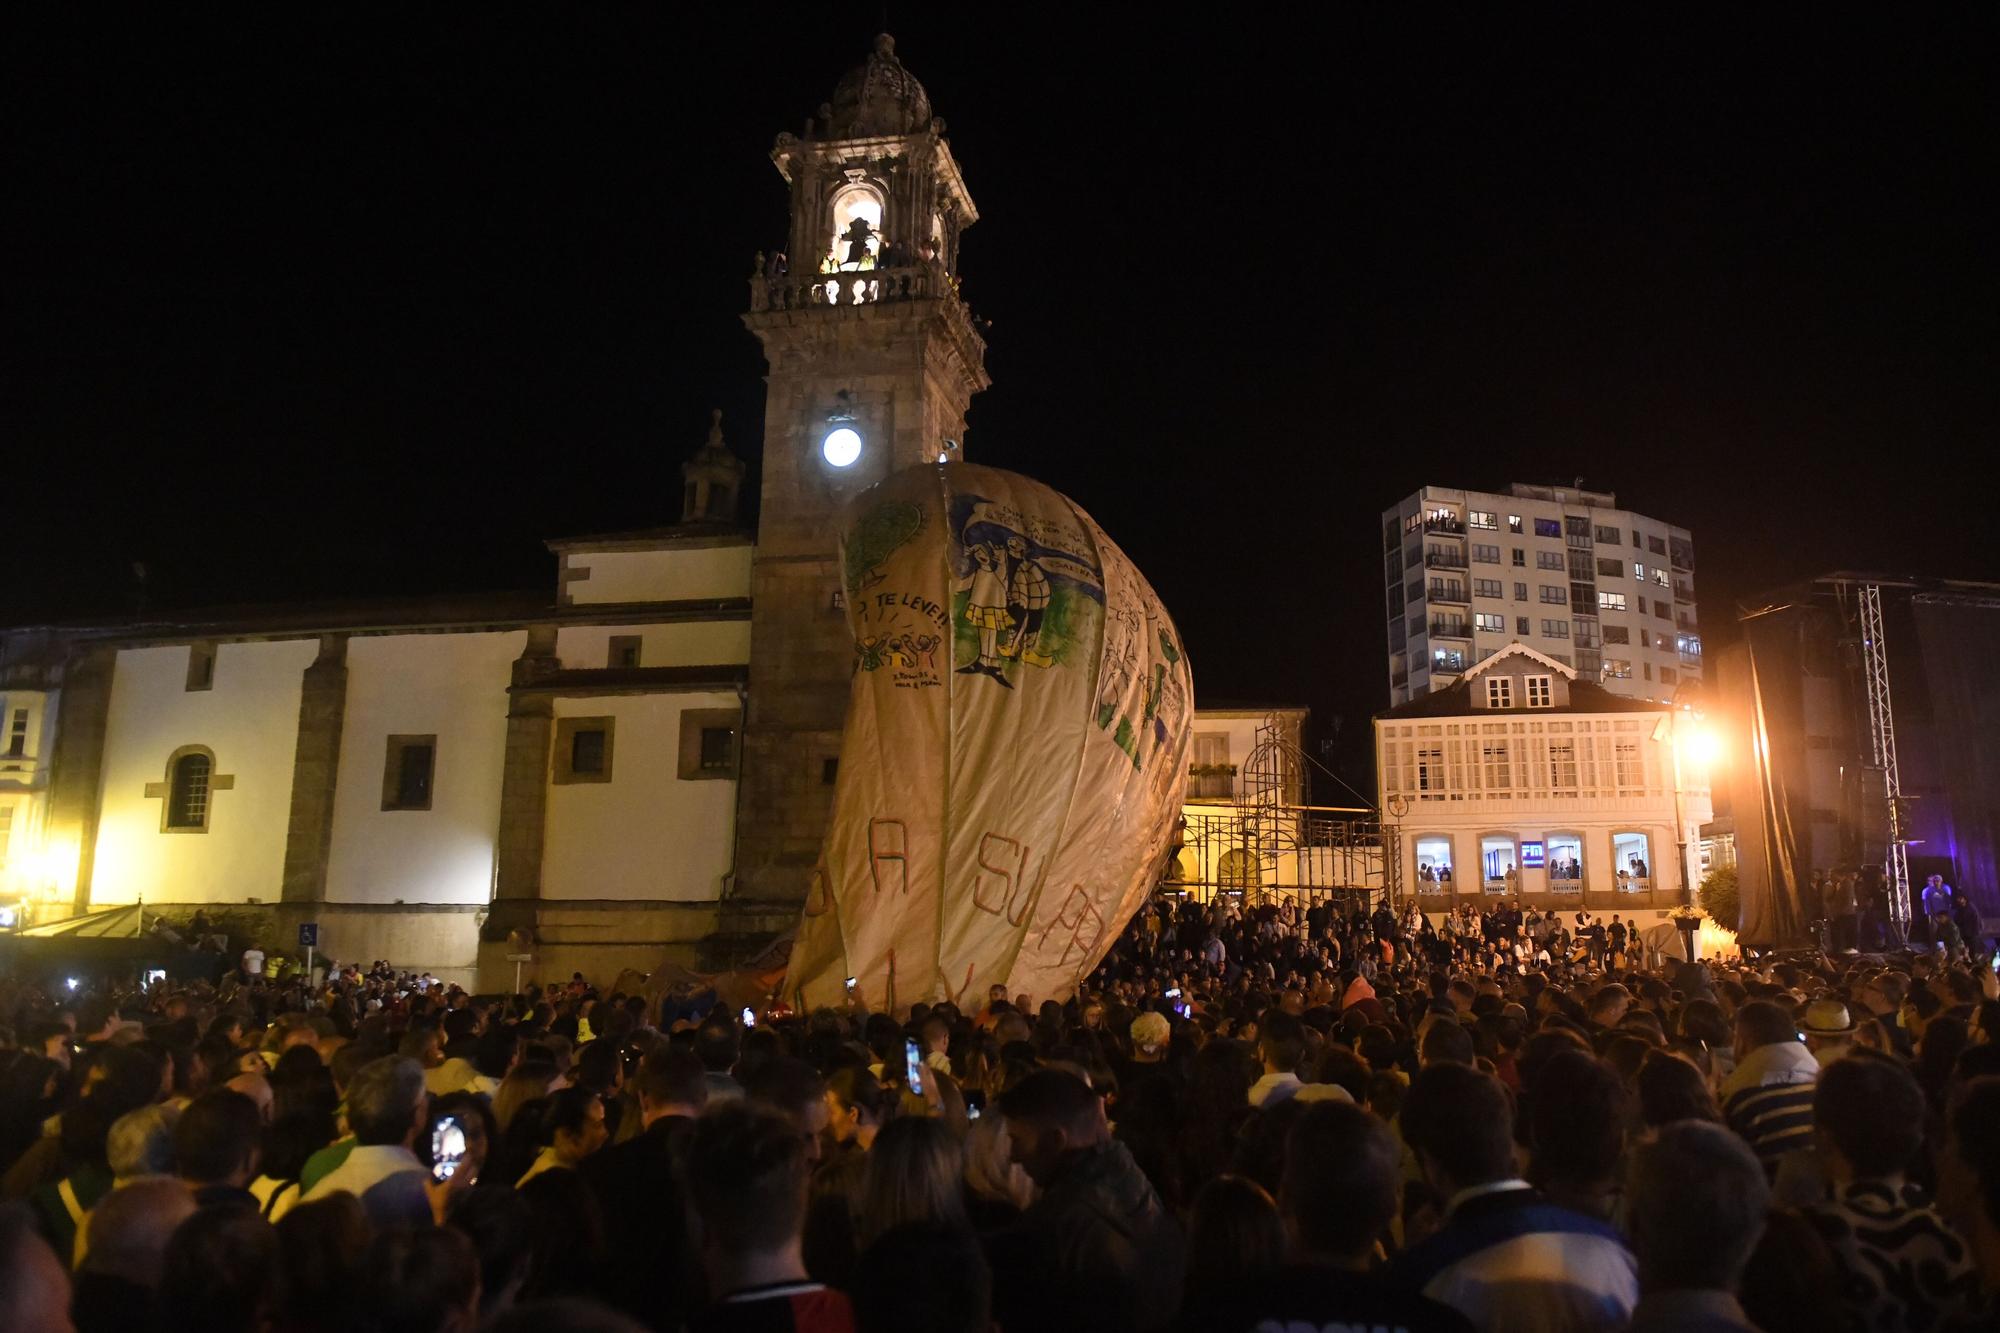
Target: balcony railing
x,y
1452,593
1445,523
1686,622
1445,559
1682,592
1450,629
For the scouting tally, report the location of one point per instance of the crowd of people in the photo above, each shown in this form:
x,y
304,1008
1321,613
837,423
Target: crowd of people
x,y
1261,1118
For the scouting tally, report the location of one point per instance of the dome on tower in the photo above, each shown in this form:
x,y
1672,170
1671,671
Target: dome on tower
x,y
878,97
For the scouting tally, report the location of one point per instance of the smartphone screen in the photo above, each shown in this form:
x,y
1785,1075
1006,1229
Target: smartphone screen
x,y
913,1066
749,1017
447,1148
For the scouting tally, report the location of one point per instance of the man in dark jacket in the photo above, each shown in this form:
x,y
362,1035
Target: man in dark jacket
x,y
1097,1250
641,1186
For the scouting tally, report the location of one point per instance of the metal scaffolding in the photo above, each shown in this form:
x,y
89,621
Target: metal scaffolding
x,y
1882,747
1270,843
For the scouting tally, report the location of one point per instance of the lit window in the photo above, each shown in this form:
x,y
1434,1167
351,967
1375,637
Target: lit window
x,y
1617,668
1565,862
1632,854
1499,691
1479,518
1514,523
1496,862
1433,865
1490,623
855,247
1611,601
1541,691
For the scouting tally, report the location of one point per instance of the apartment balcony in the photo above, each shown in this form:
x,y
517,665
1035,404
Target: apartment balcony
x,y
1449,594
1683,592
1449,525
1686,622
1451,629
1443,559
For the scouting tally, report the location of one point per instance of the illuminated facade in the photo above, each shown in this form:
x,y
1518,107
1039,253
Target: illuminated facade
x,y
1522,781
1603,590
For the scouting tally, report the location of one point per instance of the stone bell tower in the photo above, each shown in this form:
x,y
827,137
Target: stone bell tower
x,y
873,359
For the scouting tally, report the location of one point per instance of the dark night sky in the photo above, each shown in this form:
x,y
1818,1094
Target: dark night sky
x,y
373,304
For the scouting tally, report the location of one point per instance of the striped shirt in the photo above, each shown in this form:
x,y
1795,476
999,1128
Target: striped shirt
x,y
1768,1101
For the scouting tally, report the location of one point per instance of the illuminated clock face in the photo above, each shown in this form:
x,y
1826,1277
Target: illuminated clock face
x,y
841,446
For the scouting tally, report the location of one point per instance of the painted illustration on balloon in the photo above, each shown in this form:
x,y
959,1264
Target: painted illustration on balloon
x,y
1014,751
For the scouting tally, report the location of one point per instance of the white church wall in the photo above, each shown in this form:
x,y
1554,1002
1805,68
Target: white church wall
x,y
688,643
249,718
647,833
453,687
673,574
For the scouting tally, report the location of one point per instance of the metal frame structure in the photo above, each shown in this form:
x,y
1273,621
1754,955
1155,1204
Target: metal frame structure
x,y
1882,746
1270,843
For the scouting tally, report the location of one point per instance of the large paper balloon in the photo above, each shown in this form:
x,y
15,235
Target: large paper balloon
x,y
1016,747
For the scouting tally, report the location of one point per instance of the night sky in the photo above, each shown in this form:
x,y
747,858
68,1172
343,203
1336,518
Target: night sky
x,y
339,302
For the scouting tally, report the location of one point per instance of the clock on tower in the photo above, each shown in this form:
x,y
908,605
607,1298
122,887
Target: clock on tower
x,y
873,360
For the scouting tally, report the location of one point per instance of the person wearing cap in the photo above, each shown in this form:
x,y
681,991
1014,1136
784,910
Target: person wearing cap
x,y
1829,1030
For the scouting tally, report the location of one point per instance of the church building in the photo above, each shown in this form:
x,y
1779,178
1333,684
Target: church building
x,y
641,757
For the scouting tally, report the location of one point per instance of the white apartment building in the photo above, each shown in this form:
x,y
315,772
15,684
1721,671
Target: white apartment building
x,y
1603,590
1522,782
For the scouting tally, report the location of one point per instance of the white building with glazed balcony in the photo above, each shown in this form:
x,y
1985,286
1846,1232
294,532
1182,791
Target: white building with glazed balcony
x,y
1603,590
1521,781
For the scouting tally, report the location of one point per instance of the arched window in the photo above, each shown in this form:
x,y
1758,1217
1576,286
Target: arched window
x,y
856,247
188,780
1565,863
1632,860
1497,870
1434,869
1237,869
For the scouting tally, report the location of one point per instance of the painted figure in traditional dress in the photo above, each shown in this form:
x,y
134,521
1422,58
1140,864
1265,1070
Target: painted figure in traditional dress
x,y
1028,594
986,611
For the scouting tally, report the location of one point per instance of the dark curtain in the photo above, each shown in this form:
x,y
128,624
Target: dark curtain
x,y
1959,638
1774,808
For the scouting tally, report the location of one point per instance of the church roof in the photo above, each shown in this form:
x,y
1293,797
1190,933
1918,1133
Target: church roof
x,y
878,97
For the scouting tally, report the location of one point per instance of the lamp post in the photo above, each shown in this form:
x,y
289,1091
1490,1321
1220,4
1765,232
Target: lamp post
x,y
1685,730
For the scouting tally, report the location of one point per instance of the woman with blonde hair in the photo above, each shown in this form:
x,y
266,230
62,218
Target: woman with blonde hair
x,y
915,1173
